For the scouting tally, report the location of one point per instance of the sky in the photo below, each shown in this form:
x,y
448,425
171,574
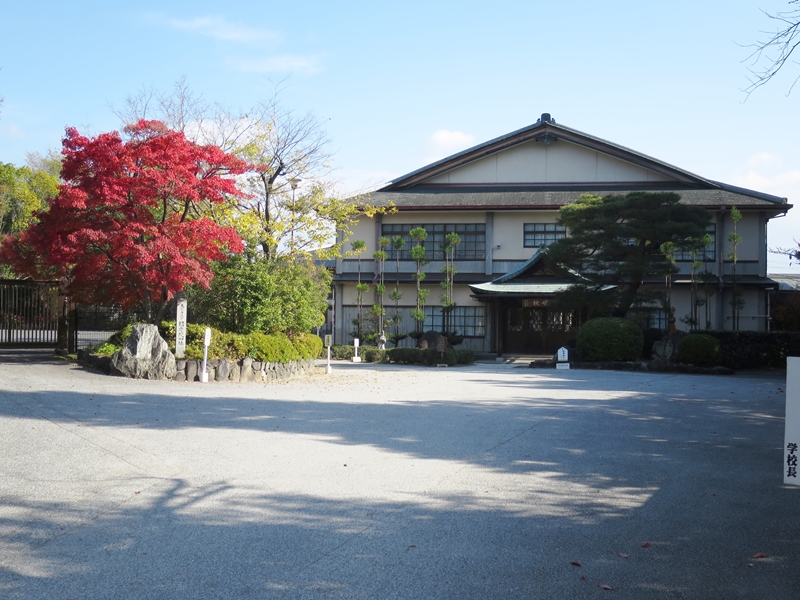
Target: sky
x,y
399,85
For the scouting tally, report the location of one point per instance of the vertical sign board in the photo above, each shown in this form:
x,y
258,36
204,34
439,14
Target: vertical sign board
x,y
180,329
328,342
791,442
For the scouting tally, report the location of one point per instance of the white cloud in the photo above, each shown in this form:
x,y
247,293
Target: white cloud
x,y
220,29
277,64
764,158
445,142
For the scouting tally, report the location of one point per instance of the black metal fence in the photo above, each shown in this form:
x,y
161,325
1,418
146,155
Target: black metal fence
x,y
28,313
95,324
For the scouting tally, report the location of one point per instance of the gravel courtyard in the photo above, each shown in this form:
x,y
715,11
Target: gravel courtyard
x,y
383,482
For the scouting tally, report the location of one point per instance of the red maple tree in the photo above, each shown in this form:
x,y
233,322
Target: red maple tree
x,y
127,227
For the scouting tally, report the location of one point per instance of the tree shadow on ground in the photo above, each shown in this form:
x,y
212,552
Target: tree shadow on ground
x,y
280,492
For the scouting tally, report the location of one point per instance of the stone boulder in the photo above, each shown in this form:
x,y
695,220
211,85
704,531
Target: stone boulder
x,y
145,356
666,349
433,339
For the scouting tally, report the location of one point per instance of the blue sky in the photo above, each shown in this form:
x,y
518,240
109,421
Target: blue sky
x,y
399,85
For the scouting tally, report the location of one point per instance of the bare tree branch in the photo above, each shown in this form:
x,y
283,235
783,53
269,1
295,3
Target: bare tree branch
x,y
771,53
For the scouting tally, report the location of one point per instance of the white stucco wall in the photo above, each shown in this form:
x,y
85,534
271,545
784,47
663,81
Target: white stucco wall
x,y
561,161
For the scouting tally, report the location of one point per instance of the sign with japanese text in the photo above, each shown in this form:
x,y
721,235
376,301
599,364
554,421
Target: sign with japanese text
x,y
180,328
791,440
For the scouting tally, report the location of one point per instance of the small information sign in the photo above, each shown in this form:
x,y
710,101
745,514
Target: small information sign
x,y
328,340
180,328
791,441
563,358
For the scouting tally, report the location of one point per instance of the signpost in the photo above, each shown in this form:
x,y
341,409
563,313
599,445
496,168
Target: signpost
x,y
328,342
563,358
206,344
356,358
180,328
791,440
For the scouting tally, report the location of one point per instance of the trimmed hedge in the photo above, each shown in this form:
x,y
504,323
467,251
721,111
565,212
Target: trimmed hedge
x,y
610,338
700,350
756,349
403,356
307,344
275,348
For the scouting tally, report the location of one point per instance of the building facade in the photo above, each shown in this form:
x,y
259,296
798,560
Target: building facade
x,y
502,198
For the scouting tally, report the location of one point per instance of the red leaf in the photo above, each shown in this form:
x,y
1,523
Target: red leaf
x,y
622,554
646,545
576,563
603,586
759,555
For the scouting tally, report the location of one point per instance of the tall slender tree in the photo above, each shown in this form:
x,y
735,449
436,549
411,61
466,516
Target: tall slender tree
x,y
419,235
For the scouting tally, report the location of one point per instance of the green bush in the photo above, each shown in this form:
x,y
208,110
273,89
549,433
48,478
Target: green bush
x,y
342,352
274,347
404,356
610,338
700,350
433,356
373,354
465,357
308,345
756,349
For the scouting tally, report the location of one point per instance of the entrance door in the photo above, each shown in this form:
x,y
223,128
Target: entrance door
x,y
537,330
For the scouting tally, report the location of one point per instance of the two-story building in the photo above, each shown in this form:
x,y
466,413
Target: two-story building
x,y
502,198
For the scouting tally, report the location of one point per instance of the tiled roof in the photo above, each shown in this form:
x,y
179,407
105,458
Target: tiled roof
x,y
525,199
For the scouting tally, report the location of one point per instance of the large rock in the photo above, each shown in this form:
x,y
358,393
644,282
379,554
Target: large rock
x,y
433,339
145,356
666,349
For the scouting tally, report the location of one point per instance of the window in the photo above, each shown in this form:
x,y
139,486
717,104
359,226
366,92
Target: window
x,y
703,254
538,235
469,321
471,247
650,318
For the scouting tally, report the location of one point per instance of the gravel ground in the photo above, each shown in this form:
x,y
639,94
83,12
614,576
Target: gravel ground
x,y
382,482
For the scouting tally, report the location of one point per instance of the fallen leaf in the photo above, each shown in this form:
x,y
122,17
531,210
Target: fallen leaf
x,y
622,554
750,565
646,545
759,555
137,492
603,586
576,563
583,577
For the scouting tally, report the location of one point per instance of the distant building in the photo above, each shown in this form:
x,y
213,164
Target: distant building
x,y
502,198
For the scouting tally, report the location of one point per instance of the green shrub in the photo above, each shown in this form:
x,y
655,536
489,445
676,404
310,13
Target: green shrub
x,y
610,338
465,357
342,352
756,349
308,345
104,349
119,338
433,356
373,355
404,356
274,347
700,350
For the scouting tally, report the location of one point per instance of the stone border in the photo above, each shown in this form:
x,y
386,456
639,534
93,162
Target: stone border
x,y
246,370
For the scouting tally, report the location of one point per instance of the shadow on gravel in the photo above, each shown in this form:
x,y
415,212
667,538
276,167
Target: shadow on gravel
x,y
610,463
